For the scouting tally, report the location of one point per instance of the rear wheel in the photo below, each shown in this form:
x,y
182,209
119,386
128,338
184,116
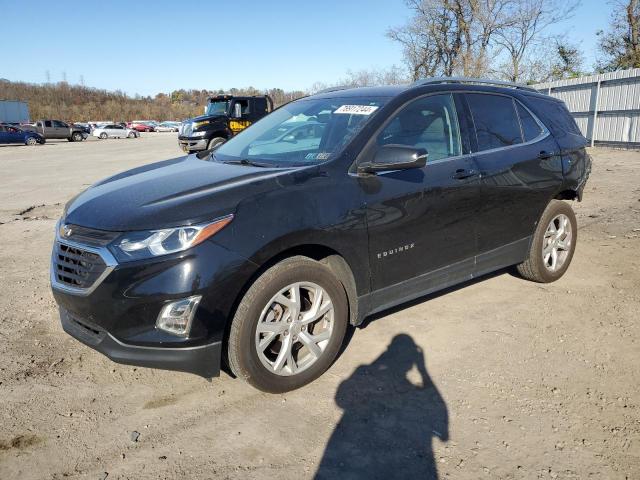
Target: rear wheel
x,y
103,136
553,244
289,326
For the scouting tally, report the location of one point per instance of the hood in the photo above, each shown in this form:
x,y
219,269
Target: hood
x,y
205,117
175,192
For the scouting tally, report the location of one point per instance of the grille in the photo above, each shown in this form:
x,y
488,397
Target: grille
x,y
90,236
76,267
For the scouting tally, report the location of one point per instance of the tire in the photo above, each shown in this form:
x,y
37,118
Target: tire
x,y
264,371
31,141
76,137
549,240
103,136
215,142
131,135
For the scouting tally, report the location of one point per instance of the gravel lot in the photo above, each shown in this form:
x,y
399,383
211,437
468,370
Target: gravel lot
x,y
500,378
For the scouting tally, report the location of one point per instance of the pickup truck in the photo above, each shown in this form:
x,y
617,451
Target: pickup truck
x,y
51,129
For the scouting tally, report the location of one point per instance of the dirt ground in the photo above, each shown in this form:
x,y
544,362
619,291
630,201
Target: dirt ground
x,y
500,378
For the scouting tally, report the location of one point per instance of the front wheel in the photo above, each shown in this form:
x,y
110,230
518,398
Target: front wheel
x,y
31,141
215,142
289,326
553,244
76,137
131,135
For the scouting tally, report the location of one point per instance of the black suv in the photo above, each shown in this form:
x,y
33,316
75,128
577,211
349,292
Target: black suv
x,y
331,208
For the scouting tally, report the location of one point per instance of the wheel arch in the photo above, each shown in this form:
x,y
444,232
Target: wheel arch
x,y
319,252
567,194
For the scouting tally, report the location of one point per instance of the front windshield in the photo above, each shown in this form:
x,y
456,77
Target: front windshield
x,y
304,132
217,108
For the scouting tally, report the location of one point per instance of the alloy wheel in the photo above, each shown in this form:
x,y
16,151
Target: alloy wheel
x,y
556,244
294,328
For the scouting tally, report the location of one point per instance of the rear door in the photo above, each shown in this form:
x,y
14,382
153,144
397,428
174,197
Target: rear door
x,y
520,171
422,220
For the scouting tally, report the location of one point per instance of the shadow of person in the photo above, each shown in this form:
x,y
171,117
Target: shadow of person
x,y
391,412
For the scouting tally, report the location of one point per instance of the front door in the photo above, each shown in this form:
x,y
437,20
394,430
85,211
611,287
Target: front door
x,y
422,220
61,129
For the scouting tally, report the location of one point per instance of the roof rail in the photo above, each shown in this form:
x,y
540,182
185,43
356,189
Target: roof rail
x,y
333,89
471,80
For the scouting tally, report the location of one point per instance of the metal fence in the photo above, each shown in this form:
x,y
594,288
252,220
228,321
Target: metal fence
x,y
606,107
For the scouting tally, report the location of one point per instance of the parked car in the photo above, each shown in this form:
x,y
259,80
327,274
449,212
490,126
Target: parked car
x,y
168,127
85,127
141,126
12,134
57,129
114,130
264,259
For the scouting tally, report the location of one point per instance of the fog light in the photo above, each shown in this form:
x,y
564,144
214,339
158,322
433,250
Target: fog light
x,y
176,317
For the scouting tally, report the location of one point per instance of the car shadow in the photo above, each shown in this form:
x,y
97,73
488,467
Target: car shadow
x,y
391,413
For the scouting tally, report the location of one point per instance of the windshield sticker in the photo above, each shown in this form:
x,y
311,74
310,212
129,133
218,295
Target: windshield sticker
x,y
317,156
356,109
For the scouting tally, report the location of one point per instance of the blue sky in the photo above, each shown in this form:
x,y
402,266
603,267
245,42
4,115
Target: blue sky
x,y
149,47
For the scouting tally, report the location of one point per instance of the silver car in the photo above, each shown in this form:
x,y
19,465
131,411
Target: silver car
x,y
113,131
168,127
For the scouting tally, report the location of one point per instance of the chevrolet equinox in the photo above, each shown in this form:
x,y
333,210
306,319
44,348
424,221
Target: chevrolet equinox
x,y
259,253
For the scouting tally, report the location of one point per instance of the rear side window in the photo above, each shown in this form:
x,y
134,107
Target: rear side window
x,y
561,117
530,128
495,120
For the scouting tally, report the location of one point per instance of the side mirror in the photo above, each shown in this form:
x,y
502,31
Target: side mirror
x,y
395,157
237,110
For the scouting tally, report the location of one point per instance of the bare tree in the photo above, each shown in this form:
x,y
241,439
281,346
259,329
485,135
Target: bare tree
x,y
528,21
620,45
446,37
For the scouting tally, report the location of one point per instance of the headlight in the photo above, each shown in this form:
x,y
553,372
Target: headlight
x,y
153,243
198,134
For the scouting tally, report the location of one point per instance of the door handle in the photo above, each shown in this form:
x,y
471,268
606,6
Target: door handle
x,y
462,173
544,155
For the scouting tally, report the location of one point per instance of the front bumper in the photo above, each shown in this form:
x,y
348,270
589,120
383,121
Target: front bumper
x,y
203,360
191,144
117,314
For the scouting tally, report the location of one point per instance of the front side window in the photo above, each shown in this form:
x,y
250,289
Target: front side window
x,y
430,123
47,123
304,132
58,124
495,120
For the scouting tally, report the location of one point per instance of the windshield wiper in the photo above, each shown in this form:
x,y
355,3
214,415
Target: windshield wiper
x,y
244,161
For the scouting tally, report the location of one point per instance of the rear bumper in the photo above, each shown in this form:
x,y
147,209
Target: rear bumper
x,y
190,144
203,360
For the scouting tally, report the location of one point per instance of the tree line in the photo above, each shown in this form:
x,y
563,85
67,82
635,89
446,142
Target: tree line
x,y
77,103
